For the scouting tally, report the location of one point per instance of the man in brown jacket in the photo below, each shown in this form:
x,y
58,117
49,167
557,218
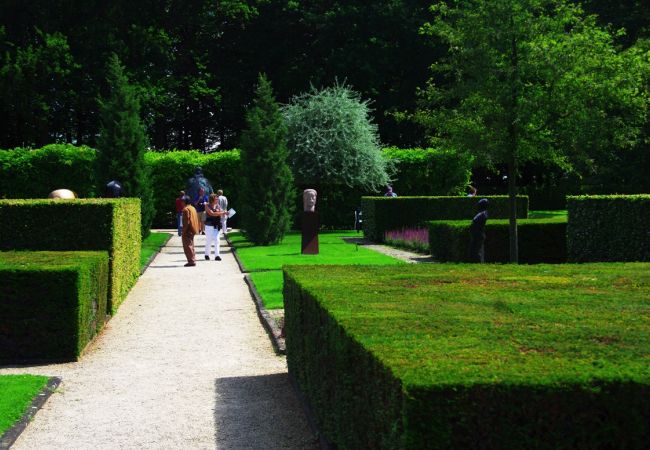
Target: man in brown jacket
x,y
190,228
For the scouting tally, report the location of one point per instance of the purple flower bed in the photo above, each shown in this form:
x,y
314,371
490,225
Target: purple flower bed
x,y
416,239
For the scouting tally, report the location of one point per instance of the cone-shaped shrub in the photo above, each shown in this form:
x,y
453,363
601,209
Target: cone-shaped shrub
x,y
268,194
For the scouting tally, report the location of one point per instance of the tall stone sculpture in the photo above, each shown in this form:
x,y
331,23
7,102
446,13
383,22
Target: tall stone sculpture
x,y
196,182
310,223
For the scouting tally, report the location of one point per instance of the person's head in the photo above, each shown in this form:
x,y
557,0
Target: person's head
x,y
472,190
187,200
201,191
182,194
219,192
212,198
389,189
482,204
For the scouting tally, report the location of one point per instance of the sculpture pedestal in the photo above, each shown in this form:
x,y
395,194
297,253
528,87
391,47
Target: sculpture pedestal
x,y
309,244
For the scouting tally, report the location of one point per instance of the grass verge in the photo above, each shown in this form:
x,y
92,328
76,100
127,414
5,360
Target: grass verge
x,y
152,245
16,394
265,262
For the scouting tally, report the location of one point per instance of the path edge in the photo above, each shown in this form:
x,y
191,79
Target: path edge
x,y
11,435
153,256
268,322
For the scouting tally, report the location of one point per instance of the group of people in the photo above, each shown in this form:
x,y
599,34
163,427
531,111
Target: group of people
x,y
205,214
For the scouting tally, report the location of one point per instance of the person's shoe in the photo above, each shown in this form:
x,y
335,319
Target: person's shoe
x,y
207,257
190,264
217,258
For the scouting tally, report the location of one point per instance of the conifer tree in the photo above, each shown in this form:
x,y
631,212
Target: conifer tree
x,y
122,142
268,194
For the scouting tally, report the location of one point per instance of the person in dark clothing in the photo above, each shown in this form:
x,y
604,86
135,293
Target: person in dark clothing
x,y
477,231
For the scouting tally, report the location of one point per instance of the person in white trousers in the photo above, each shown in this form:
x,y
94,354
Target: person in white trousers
x,y
212,227
223,204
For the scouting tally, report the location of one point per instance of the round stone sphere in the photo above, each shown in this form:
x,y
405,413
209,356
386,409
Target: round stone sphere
x,y
63,193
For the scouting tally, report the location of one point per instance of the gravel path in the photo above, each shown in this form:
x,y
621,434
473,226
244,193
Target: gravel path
x,y
404,255
184,364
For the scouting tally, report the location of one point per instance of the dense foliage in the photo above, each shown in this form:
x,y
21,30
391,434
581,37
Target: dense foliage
x,y
532,80
53,303
381,214
122,143
34,173
540,240
267,190
332,140
473,356
93,224
608,228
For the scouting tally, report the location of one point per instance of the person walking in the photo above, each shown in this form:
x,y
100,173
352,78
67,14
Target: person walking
x,y
180,204
212,227
190,228
477,231
223,205
390,192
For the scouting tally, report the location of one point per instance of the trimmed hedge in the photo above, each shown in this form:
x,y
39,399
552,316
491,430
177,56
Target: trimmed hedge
x,y
381,214
540,240
171,170
608,228
27,173
473,356
51,303
112,225
34,173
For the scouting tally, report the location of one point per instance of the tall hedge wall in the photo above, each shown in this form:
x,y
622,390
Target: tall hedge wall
x,y
27,173
540,240
381,214
461,356
171,170
51,303
608,228
112,225
34,173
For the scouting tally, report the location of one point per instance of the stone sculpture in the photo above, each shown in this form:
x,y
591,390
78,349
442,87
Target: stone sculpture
x,y
63,194
309,200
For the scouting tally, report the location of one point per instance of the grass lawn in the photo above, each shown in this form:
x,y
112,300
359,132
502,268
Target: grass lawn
x,y
556,214
265,262
16,394
151,245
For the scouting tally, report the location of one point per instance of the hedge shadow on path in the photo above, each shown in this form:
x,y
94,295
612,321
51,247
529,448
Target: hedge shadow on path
x,y
260,412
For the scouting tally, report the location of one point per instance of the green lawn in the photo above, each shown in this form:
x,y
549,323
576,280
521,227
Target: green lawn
x,y
265,262
151,245
16,394
557,214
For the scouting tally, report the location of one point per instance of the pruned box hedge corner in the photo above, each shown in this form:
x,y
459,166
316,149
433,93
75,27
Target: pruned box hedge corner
x,y
112,225
466,356
381,214
51,303
540,240
608,228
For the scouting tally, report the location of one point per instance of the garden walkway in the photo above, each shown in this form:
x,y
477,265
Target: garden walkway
x,y
184,364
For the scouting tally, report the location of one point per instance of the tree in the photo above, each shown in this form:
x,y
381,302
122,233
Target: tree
x,y
267,192
122,142
531,80
332,140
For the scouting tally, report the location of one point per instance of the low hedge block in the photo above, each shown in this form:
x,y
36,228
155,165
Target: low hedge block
x,y
540,240
52,304
381,214
111,225
461,356
608,228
